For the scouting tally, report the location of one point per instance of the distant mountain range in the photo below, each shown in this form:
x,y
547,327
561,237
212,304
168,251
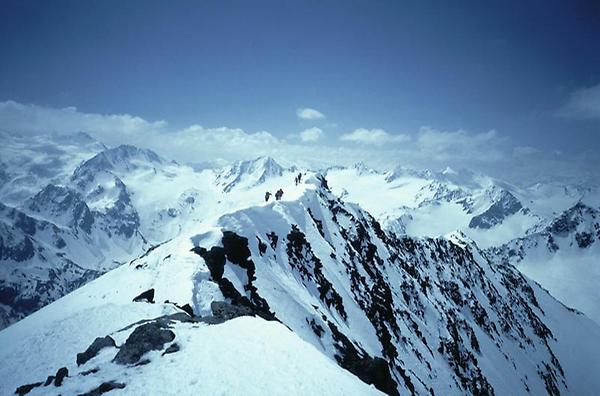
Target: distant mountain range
x,y
410,281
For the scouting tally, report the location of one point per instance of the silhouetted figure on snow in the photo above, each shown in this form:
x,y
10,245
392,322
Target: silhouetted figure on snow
x,y
267,196
298,178
278,194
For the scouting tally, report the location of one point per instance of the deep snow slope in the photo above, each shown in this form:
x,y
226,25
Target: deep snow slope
x,y
563,256
243,356
408,315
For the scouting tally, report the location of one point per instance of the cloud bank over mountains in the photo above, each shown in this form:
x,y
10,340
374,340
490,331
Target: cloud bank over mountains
x,y
431,148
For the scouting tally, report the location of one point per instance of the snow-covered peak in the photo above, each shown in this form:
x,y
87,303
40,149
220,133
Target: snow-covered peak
x,y
362,168
403,171
124,158
449,171
579,218
246,174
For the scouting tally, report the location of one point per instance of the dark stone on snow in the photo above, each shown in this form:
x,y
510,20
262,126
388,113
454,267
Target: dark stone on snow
x,y
236,248
147,296
174,347
142,362
147,337
49,380
224,311
60,376
104,388
373,371
90,371
25,389
584,239
303,259
316,328
91,351
214,259
186,308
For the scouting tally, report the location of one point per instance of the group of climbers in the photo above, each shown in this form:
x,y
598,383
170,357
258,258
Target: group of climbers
x,y
279,193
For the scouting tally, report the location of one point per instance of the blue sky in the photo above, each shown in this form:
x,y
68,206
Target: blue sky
x,y
528,71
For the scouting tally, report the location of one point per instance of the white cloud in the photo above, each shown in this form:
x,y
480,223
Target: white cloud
x,y
192,144
487,152
583,104
375,137
311,134
33,119
446,146
306,113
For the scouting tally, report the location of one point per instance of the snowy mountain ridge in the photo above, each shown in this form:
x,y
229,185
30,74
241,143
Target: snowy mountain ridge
x,y
440,316
377,293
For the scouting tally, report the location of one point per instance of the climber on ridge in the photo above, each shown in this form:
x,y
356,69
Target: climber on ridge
x,y
278,194
267,196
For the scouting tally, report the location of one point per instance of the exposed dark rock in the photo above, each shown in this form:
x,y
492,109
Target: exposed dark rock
x,y
223,311
25,389
95,347
303,259
174,347
584,239
370,370
505,206
90,371
147,296
214,259
104,388
49,380
316,328
147,337
187,308
60,376
235,249
142,362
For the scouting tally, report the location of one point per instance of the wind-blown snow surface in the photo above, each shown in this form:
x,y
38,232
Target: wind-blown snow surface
x,y
440,315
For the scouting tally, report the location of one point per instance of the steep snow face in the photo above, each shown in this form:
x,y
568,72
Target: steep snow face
x,y
562,256
408,315
326,268
246,174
